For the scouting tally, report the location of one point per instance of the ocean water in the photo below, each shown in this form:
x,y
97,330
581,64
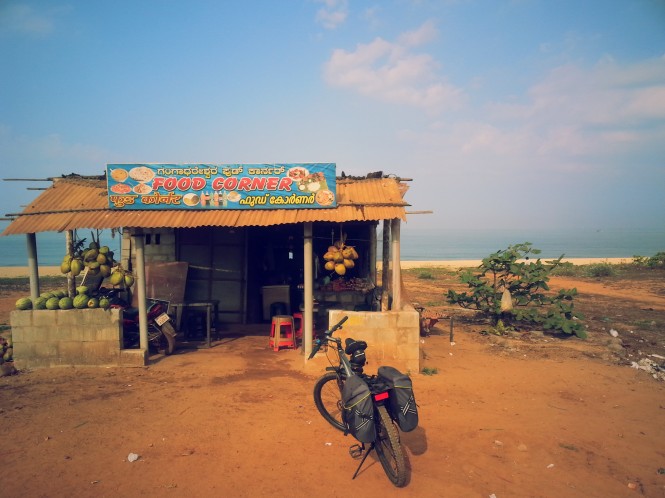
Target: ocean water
x,y
51,247
423,244
457,244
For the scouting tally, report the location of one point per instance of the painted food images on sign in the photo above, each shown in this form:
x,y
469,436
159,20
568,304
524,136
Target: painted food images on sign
x,y
119,174
121,188
191,199
297,174
142,189
197,186
310,183
325,197
141,174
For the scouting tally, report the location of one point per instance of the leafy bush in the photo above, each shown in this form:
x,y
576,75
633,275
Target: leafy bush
x,y
425,275
655,261
600,270
509,287
567,270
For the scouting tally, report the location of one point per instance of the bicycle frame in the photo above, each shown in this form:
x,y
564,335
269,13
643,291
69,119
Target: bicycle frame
x,y
325,338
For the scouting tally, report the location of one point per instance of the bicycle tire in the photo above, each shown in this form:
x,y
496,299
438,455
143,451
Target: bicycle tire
x,y
328,399
389,449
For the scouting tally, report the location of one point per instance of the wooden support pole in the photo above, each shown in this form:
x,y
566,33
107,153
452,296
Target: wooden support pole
x,y
396,276
372,252
33,265
69,249
308,289
385,268
139,284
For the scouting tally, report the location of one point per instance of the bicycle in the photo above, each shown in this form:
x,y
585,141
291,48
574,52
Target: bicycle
x,y
379,425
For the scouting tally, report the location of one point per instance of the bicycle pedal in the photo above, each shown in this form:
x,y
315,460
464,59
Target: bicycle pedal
x,y
356,451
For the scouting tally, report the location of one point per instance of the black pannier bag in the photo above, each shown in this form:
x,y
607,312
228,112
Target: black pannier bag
x,y
402,402
358,414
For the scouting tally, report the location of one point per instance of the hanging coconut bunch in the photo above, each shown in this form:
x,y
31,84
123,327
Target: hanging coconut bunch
x,y
98,259
340,257
121,277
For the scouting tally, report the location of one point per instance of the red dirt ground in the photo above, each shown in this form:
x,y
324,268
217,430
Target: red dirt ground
x,y
528,415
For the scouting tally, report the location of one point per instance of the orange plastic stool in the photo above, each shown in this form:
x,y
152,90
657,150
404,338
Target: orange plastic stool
x,y
282,332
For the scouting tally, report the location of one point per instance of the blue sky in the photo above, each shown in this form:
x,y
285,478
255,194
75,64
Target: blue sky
x,y
515,113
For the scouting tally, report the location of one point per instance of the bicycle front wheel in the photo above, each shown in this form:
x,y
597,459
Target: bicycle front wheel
x,y
328,399
389,449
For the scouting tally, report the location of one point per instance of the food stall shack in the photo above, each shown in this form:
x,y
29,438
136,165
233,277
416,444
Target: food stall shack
x,y
255,239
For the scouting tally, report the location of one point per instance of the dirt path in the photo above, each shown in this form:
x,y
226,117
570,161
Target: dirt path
x,y
514,418
641,295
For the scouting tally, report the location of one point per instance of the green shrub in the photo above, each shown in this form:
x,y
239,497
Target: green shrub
x,y
600,270
425,275
499,329
526,282
567,270
655,261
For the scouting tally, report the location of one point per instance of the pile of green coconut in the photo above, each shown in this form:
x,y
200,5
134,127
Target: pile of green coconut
x,y
59,300
93,260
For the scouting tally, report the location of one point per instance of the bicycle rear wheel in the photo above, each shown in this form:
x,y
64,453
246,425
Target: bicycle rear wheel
x,y
389,449
328,399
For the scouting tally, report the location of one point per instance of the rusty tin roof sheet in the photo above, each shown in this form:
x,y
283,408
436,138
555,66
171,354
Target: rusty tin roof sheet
x,y
75,202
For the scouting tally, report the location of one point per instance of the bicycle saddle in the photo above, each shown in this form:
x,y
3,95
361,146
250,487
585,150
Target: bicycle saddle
x,y
351,346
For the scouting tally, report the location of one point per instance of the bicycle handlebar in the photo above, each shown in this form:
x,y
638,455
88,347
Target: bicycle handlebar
x,y
325,336
339,324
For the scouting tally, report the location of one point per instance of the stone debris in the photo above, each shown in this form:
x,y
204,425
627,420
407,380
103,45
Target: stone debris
x,y
657,371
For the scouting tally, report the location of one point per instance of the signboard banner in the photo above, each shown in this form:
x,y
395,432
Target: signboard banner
x,y
222,186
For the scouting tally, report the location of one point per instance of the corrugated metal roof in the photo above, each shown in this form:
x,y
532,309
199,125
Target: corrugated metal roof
x,y
74,203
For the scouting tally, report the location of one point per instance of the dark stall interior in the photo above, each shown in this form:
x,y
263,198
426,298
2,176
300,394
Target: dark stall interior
x,y
255,273
276,269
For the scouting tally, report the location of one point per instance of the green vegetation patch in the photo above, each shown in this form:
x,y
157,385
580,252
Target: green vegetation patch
x,y
599,270
511,288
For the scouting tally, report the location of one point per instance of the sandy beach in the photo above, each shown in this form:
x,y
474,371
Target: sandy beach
x,y
466,263
48,271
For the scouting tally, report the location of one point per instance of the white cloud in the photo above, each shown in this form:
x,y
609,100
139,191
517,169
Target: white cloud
x,y
573,110
333,13
424,34
393,72
574,125
607,94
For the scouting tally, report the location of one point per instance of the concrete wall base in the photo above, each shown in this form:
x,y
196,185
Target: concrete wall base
x,y
393,337
88,337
